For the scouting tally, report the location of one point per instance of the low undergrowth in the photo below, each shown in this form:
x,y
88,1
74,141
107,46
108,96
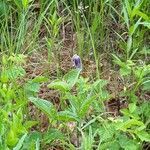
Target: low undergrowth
x,y
102,103
81,113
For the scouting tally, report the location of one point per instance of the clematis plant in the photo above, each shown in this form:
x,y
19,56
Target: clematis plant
x,y
77,61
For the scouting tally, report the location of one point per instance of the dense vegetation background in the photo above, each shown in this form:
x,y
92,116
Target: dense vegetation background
x,y
45,103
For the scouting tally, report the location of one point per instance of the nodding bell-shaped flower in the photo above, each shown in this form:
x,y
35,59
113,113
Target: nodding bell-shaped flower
x,y
77,61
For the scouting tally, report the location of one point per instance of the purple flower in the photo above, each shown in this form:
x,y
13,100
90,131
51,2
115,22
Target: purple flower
x,y
77,61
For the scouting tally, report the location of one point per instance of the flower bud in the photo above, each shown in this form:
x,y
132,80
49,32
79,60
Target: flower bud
x,y
77,61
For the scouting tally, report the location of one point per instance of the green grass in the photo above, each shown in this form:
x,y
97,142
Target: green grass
x,y
45,103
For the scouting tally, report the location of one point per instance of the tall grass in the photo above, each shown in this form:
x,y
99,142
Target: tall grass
x,y
89,27
13,28
20,26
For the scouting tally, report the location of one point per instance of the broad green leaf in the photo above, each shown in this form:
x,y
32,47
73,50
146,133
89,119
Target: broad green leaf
x,y
106,132
133,97
146,85
40,79
17,58
32,87
129,124
127,113
12,138
87,140
20,142
66,116
31,141
59,85
114,146
72,77
17,124
126,143
109,145
145,109
29,124
100,83
103,95
44,105
52,135
124,71
138,72
83,86
132,107
144,136
74,102
85,106
15,72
